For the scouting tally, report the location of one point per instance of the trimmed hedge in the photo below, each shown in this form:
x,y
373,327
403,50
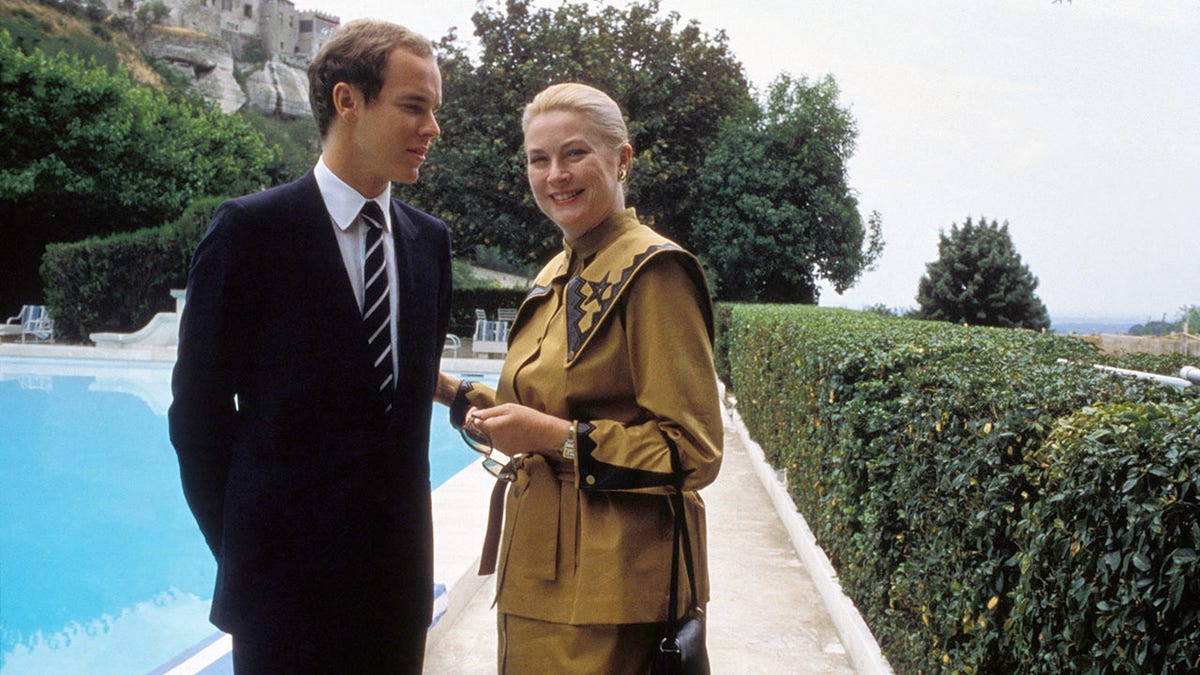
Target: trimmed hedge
x,y
1109,573
920,455
118,283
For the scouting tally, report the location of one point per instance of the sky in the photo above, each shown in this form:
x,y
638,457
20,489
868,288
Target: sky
x,y
1077,123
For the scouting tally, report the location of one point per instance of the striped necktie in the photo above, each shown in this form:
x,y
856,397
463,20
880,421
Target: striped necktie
x,y
377,305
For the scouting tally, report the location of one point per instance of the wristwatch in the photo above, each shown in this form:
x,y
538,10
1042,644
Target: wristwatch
x,y
568,446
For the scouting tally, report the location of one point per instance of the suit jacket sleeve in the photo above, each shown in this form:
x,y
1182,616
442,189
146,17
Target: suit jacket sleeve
x,y
203,415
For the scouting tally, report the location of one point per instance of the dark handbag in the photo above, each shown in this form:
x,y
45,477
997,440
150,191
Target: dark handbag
x,y
682,650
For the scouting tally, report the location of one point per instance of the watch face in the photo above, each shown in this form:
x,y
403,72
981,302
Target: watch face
x,y
568,446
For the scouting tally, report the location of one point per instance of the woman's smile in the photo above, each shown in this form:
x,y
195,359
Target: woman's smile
x,y
561,197
572,172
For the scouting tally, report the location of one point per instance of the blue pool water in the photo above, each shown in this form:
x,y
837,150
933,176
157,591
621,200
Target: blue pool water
x,y
102,569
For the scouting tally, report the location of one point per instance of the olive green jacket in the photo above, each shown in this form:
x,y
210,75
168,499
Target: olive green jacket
x,y
616,334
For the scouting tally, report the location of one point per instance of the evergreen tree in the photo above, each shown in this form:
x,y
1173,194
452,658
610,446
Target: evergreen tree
x,y
979,279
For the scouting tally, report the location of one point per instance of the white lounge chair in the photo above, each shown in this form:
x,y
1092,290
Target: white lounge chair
x,y
13,325
452,344
491,337
33,323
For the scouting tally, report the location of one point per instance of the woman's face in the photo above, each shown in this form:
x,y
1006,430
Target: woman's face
x,y
572,173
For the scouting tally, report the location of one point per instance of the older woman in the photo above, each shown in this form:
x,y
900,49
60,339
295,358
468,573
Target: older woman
x,y
607,402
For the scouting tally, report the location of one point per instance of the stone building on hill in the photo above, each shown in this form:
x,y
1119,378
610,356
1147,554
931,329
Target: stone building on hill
x,y
268,43
280,28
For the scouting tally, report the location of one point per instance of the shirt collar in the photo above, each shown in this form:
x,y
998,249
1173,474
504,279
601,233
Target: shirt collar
x,y
602,235
344,202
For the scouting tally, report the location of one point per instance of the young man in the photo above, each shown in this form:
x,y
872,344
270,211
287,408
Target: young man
x,y
308,354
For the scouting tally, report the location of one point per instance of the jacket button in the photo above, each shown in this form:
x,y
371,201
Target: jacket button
x,y
591,480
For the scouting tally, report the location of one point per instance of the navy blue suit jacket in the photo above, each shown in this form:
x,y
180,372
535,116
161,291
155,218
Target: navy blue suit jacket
x,y
316,506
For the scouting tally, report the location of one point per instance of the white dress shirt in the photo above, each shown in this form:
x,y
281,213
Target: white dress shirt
x,y
343,204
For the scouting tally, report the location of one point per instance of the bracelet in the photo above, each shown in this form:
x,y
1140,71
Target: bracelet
x,y
568,446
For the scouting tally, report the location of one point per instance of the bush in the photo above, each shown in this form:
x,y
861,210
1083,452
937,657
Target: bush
x,y
495,258
254,52
1109,564
101,32
912,450
87,152
118,283
297,144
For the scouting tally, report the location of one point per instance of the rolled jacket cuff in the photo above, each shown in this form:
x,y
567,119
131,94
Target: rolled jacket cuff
x,y
461,404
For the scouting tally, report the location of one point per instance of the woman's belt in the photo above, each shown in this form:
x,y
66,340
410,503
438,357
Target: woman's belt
x,y
535,475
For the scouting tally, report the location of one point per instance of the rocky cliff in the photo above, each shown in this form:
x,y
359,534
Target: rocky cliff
x,y
273,88
207,61
279,88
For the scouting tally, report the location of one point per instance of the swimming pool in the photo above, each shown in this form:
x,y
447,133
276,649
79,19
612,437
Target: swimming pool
x,y
102,568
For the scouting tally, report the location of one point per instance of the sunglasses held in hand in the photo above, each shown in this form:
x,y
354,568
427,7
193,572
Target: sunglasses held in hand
x,y
478,440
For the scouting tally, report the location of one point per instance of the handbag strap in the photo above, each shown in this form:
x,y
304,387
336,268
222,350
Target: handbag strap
x,y
672,593
681,532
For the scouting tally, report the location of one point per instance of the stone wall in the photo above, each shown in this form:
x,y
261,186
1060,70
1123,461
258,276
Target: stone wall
x,y
1178,343
279,24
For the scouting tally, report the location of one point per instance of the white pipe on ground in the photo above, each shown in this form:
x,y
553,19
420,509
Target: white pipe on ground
x,y
1177,382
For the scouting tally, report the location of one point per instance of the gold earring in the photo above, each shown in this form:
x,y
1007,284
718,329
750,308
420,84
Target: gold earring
x,y
622,175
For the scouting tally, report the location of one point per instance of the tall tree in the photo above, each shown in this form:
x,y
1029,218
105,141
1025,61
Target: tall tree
x,y
675,83
775,210
979,279
1189,319
87,152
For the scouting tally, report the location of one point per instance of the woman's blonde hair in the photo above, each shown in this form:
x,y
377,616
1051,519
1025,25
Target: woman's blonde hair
x,y
598,107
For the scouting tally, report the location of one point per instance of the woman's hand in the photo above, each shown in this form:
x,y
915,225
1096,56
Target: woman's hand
x,y
516,429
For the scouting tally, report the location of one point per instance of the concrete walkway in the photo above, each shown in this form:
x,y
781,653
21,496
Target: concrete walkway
x,y
770,612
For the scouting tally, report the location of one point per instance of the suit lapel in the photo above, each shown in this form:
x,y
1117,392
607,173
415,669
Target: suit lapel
x,y
403,232
409,319
329,270
336,312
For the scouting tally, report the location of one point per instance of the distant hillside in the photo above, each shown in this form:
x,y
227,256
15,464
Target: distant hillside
x,y
87,34
1087,325
33,25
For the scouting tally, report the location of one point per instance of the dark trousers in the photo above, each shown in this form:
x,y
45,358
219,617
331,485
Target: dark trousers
x,y
314,658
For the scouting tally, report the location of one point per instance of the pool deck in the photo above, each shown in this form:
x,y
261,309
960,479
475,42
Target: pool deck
x,y
776,605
